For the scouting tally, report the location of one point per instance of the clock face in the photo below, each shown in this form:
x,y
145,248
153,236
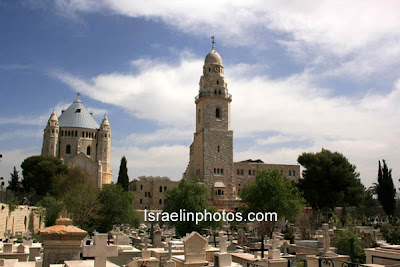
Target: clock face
x,y
216,69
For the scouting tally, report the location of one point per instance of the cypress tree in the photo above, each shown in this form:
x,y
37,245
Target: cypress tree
x,y
123,178
13,183
385,189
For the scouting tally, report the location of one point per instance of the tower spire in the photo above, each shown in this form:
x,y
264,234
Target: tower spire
x,y
213,42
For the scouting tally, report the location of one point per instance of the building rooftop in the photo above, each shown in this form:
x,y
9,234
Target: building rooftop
x,y
77,116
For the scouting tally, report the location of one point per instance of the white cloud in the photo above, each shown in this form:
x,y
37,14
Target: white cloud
x,y
163,160
162,135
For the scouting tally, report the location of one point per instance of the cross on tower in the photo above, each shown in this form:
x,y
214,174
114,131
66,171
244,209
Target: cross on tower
x,y
100,251
212,42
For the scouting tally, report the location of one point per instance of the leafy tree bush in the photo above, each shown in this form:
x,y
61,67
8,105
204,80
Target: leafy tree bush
x,y
271,192
391,234
39,173
115,207
81,202
52,208
329,180
345,239
190,196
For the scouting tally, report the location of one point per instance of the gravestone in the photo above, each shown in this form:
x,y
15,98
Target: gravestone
x,y
274,253
327,242
122,239
241,237
194,248
222,259
157,239
100,250
21,249
7,248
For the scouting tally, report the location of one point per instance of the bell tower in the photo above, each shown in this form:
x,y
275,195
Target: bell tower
x,y
211,153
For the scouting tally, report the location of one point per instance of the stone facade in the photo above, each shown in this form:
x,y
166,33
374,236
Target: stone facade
x,y
80,142
150,191
21,220
211,153
245,172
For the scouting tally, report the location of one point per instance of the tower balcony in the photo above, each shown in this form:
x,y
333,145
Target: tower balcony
x,y
212,94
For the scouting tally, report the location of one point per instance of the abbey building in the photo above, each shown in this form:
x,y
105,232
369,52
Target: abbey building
x,y
77,139
211,153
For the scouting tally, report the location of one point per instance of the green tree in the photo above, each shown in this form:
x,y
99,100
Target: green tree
x,y
271,192
39,173
385,189
69,180
329,180
190,196
123,178
51,209
115,207
345,240
81,202
13,183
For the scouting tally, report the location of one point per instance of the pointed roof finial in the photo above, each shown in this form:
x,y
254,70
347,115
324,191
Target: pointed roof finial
x,y
213,42
78,94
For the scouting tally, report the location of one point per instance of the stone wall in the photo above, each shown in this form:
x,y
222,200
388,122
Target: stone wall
x,y
20,220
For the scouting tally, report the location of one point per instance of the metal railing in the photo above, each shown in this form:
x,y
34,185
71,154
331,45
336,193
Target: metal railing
x,y
212,94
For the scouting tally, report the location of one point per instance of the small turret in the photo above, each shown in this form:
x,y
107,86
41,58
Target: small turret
x,y
50,136
103,150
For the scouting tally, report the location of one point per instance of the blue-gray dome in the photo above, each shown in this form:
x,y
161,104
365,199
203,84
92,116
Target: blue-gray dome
x,y
77,116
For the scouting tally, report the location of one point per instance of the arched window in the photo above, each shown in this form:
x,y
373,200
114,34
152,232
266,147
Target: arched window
x,y
165,188
215,92
217,82
76,133
68,149
88,151
294,173
219,92
160,188
160,201
145,194
218,113
141,201
218,148
290,173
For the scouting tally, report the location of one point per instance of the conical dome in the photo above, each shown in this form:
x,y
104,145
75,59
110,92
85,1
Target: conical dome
x,y
105,121
53,116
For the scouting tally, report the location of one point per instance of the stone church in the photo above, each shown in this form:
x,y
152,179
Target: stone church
x,y
77,139
211,153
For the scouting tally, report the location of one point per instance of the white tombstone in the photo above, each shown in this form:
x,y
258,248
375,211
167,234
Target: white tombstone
x,y
274,253
100,250
21,249
146,254
7,248
327,242
170,262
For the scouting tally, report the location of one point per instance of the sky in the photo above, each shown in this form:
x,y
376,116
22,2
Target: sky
x,y
304,75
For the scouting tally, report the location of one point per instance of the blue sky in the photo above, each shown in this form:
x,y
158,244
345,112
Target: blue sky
x,y
303,76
